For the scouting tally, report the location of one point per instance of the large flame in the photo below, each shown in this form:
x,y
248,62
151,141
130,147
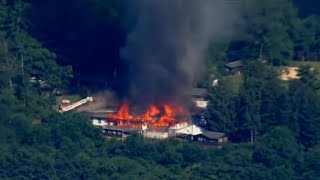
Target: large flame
x,y
155,116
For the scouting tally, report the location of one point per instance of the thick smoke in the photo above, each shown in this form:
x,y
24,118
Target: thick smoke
x,y
166,46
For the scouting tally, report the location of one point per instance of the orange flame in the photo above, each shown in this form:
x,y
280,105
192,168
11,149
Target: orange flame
x,y
155,117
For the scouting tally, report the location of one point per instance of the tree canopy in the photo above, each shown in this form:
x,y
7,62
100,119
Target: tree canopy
x,y
273,125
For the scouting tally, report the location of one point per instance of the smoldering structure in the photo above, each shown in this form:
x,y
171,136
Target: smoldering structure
x,y
164,54
166,45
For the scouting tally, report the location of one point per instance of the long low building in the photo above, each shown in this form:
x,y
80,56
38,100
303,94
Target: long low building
x,y
195,133
182,130
212,138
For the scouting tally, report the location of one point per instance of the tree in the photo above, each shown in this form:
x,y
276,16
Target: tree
x,y
26,52
221,112
267,33
311,166
307,7
306,102
273,104
279,151
3,16
307,39
250,99
86,34
9,66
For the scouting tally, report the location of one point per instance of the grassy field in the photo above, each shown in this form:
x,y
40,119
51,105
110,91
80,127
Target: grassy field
x,y
235,82
313,64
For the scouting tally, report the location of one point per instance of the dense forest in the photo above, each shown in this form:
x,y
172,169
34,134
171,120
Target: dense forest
x,y
66,43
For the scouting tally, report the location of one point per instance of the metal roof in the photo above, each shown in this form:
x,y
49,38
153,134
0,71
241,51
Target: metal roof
x,y
124,128
234,64
196,130
190,130
199,92
213,135
102,114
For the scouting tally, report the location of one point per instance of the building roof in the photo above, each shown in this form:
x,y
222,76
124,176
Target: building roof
x,y
190,130
179,126
124,128
116,128
234,64
102,114
35,72
213,135
96,115
103,111
199,92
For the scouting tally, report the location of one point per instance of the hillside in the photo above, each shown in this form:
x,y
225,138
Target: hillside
x,y
82,47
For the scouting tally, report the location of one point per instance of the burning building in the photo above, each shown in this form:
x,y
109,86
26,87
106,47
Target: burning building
x,y
164,56
154,122
154,117
157,122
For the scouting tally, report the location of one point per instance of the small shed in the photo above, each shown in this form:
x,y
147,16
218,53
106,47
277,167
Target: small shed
x,y
234,67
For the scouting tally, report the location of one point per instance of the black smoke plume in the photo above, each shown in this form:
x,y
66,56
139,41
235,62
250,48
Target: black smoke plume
x,y
167,42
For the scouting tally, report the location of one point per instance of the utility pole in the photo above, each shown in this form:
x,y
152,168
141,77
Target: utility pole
x,y
10,84
260,53
191,132
253,134
115,73
22,65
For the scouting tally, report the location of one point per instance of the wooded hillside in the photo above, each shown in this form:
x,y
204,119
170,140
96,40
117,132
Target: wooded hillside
x,y
63,43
